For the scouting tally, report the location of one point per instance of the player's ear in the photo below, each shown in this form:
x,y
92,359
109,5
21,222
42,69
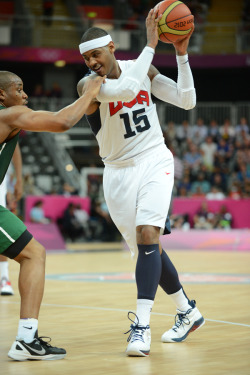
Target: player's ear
x,y
2,94
111,46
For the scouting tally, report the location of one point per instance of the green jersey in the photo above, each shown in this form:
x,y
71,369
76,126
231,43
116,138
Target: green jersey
x,y
6,152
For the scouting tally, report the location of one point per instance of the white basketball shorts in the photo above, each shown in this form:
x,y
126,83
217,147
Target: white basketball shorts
x,y
139,194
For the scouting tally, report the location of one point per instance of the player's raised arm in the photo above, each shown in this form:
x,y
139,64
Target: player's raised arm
x,y
127,86
181,93
24,118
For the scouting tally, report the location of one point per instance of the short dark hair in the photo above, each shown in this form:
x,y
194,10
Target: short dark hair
x,y
6,79
93,33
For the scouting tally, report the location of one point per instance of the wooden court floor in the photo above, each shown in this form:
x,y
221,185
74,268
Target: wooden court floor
x,y
87,297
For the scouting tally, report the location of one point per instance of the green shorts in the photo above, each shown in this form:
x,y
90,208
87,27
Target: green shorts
x,y
14,235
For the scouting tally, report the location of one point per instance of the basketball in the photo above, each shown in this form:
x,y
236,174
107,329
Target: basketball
x,y
176,21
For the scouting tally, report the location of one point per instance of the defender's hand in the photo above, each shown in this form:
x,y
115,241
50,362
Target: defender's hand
x,y
93,85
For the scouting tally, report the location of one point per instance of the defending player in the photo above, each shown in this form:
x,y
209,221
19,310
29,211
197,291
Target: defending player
x,y
15,240
139,170
5,284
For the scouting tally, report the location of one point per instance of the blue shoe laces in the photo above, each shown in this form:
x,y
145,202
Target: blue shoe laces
x,y
136,331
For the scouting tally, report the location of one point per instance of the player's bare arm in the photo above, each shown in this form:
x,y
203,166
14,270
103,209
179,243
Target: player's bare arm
x,y
21,117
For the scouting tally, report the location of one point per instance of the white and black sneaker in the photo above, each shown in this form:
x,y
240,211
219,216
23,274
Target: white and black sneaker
x,y
139,339
35,350
5,287
185,323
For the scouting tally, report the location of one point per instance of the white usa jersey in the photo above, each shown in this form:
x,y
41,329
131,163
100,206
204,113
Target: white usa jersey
x,y
126,131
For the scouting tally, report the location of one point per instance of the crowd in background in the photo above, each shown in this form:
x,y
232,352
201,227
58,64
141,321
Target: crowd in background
x,y
54,92
211,161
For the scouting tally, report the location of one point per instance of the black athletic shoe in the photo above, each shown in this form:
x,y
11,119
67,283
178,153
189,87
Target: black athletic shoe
x,y
35,350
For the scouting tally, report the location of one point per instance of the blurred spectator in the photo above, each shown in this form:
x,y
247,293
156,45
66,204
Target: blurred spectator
x,y
198,193
201,185
183,132
192,158
243,173
203,210
235,190
208,150
215,194
179,221
219,181
38,92
213,130
223,219
170,131
70,227
178,168
83,218
56,91
29,187
37,214
100,216
203,219
224,150
182,192
227,132
199,131
94,186
184,184
242,138
243,125
67,190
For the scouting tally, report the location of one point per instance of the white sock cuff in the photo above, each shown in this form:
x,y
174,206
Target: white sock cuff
x,y
180,292
29,320
4,269
148,302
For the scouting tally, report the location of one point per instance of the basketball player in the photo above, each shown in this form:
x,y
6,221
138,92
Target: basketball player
x,y
139,169
5,284
15,240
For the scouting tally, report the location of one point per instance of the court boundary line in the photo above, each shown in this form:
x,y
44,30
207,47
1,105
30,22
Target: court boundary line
x,y
122,310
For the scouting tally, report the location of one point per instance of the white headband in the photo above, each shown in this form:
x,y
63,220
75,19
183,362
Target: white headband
x,y
95,43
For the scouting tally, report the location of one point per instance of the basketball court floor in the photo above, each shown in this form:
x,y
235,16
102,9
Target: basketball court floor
x,y
89,291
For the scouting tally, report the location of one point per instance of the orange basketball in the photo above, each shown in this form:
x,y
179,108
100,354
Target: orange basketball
x,y
176,21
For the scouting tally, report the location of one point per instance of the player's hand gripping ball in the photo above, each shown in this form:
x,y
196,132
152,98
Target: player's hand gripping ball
x,y
176,21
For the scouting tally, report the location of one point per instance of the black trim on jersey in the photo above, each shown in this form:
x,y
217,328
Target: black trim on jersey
x,y
94,121
16,248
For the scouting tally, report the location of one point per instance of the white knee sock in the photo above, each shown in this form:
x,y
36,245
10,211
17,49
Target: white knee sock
x,y
180,300
144,307
27,329
4,270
